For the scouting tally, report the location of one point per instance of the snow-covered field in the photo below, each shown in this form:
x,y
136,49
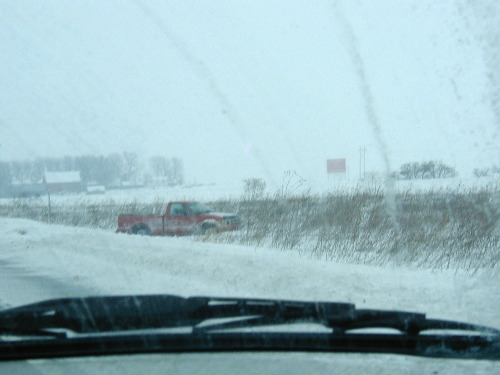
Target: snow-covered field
x,y
94,261
443,223
214,192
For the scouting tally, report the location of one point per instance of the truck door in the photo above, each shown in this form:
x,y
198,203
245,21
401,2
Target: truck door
x,y
179,220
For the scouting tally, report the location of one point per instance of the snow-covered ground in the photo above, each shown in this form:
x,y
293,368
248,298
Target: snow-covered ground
x,y
98,262
207,193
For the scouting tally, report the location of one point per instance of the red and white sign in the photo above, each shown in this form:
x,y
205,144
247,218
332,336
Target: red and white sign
x,y
336,166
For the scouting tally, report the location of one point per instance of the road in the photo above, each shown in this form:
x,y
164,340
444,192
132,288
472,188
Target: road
x,y
20,285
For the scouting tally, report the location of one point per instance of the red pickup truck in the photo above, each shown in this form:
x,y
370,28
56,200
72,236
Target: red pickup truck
x,y
180,218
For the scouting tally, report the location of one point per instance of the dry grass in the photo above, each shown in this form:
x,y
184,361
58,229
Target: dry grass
x,y
434,229
440,229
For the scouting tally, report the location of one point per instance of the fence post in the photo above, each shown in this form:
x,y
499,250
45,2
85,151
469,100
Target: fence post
x,y
50,211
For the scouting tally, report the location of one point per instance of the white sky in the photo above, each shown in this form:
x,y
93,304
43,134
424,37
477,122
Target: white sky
x,y
246,89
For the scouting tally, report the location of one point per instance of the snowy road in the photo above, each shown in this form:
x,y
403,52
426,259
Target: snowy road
x,y
19,285
39,261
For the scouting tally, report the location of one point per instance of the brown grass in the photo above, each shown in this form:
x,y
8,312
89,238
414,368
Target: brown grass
x,y
439,229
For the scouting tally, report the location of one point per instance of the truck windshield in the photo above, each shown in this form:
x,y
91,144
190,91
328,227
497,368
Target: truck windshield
x,y
199,208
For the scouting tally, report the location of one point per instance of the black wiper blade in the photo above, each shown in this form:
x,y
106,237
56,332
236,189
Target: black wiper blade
x,y
100,314
215,322
124,313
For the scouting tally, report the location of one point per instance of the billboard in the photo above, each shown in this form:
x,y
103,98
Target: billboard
x,y
336,166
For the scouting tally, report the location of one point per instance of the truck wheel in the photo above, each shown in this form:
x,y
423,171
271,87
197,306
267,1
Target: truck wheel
x,y
141,231
209,229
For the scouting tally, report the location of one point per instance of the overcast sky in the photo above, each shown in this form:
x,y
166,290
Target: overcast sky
x,y
249,88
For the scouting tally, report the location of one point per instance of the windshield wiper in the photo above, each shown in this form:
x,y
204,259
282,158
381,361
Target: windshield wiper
x,y
70,326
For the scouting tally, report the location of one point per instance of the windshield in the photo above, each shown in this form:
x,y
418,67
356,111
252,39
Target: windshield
x,y
199,208
348,151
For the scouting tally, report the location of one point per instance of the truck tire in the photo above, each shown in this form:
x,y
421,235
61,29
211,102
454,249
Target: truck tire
x,y
208,229
141,230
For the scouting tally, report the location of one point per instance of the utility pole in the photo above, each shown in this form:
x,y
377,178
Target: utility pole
x,y
362,162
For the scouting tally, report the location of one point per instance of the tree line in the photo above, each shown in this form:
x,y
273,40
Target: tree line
x,y
425,170
108,170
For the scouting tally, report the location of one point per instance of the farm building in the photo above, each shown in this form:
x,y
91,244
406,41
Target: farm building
x,y
63,182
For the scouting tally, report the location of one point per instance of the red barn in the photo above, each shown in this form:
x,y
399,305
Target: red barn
x,y
63,182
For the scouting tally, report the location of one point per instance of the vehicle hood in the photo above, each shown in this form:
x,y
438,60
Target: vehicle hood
x,y
220,214
217,215
248,363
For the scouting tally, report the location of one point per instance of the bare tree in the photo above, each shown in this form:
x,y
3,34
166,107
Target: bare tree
x,y
254,188
426,170
5,174
177,171
160,166
130,166
167,171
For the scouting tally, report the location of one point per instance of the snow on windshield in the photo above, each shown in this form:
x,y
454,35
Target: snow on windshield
x,y
357,141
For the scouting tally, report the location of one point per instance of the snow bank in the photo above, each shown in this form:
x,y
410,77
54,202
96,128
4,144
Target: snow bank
x,y
108,263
